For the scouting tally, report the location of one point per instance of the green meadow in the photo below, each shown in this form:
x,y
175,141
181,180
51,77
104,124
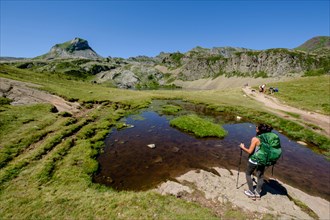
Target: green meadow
x,y
47,159
308,93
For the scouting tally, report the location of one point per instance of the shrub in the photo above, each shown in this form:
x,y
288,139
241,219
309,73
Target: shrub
x,y
5,101
65,114
177,56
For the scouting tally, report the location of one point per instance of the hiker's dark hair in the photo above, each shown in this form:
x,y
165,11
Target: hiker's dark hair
x,y
263,128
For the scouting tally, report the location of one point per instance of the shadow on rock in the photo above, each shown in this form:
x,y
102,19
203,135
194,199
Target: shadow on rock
x,y
273,187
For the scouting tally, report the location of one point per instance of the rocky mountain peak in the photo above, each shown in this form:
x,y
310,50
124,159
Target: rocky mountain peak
x,y
75,48
78,44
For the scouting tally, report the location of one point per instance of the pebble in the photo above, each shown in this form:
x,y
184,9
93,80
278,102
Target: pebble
x,y
151,146
302,143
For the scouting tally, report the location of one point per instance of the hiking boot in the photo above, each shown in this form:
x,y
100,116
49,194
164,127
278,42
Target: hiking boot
x,y
257,195
249,194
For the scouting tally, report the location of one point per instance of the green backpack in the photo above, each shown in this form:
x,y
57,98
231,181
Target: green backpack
x,y
269,149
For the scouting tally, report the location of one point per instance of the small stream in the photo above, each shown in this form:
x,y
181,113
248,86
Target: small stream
x,y
127,163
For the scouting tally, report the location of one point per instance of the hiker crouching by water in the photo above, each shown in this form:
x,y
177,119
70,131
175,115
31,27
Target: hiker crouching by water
x,y
259,157
262,88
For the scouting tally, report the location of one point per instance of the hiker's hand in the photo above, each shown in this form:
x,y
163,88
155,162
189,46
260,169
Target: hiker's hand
x,y
242,145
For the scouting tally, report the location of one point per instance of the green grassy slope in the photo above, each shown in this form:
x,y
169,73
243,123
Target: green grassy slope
x,y
315,44
52,178
47,162
309,93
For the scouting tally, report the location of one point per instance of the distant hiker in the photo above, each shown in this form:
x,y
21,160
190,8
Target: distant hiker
x,y
264,151
262,88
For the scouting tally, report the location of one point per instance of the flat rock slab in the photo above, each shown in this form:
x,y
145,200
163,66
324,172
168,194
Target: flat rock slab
x,y
222,188
23,93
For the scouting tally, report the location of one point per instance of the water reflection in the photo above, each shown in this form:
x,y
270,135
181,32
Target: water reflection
x,y
129,164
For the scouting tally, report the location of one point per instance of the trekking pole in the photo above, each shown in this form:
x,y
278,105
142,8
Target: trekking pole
x,y
239,165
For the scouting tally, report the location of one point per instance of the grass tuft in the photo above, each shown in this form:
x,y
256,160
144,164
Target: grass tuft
x,y
198,126
170,109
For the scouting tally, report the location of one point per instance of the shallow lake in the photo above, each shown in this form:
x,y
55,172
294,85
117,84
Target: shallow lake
x,y
127,163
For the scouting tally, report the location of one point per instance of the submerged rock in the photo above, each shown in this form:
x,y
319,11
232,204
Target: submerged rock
x,y
175,149
158,159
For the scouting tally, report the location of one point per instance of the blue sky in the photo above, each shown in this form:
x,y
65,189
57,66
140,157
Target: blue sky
x,y
132,28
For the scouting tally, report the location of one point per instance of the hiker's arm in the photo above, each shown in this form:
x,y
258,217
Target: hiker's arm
x,y
254,142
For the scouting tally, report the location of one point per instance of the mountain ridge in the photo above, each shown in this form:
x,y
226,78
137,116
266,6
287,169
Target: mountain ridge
x,y
315,44
78,44
73,59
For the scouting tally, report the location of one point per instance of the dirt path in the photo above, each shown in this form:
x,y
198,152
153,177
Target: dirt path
x,y
23,93
215,191
322,121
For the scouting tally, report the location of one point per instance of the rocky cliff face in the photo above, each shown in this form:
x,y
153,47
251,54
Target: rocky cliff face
x,y
133,74
76,48
245,63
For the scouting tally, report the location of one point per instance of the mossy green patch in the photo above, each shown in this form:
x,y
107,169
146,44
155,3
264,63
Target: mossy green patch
x,y
171,109
199,126
304,207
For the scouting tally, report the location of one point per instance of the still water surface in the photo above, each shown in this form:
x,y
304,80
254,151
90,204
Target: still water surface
x,y
129,164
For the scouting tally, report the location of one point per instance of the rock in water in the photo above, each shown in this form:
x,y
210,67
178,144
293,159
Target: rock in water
x,y
302,143
151,146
